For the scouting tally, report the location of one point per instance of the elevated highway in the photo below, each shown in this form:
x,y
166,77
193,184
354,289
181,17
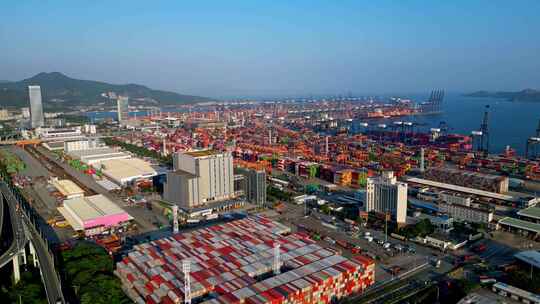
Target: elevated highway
x,y
26,228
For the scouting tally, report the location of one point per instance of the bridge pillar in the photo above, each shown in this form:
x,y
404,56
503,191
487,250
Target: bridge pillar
x,y
16,268
33,253
23,253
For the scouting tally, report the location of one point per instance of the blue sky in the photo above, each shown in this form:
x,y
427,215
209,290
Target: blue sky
x,y
254,48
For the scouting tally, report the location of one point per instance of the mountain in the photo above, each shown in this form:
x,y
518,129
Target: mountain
x,y
60,90
523,95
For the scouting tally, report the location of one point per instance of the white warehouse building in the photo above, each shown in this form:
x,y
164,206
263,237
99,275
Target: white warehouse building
x,y
200,177
386,194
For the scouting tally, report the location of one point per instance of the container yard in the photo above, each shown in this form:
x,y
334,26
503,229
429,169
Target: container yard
x,y
253,260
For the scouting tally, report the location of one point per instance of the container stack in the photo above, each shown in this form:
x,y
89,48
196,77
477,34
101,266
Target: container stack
x,y
233,263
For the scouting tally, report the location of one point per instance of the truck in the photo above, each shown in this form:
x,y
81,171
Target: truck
x,y
436,262
343,244
212,216
395,270
467,257
356,250
328,225
330,240
398,236
479,248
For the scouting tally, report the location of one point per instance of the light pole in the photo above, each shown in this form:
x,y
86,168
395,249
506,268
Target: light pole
x,y
386,227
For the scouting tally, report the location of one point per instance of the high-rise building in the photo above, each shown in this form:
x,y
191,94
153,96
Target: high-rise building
x,y
385,194
254,185
200,178
36,107
122,107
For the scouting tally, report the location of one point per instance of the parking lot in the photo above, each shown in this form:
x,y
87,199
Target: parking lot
x,y
392,255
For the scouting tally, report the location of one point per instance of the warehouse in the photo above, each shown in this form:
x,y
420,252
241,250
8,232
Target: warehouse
x,y
467,213
441,185
60,134
487,182
519,226
53,145
97,155
531,214
237,262
125,171
94,214
530,257
68,188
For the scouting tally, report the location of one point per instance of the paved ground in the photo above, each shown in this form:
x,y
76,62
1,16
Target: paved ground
x,y
532,186
515,241
33,167
293,216
486,296
497,253
501,248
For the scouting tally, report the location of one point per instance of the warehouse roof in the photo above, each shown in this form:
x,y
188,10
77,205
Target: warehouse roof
x,y
512,290
92,207
520,224
202,153
76,225
431,183
183,173
130,168
108,185
67,187
95,152
531,257
119,155
467,173
532,212
52,145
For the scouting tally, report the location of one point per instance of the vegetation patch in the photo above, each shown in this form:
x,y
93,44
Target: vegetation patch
x,y
12,162
88,270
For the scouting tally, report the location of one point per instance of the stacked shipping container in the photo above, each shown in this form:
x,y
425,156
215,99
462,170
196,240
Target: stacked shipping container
x,y
232,263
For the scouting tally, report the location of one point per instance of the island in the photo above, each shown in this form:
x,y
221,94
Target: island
x,y
523,95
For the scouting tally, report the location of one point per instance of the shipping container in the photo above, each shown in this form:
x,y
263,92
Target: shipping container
x,y
234,263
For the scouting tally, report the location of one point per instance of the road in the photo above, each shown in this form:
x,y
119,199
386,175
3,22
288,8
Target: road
x,y
19,237
17,240
383,289
49,276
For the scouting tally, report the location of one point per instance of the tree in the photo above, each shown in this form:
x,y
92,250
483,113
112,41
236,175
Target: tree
x,y
422,228
325,209
359,221
522,279
29,289
89,270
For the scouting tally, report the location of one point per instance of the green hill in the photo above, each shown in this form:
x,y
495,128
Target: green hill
x,y
59,90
